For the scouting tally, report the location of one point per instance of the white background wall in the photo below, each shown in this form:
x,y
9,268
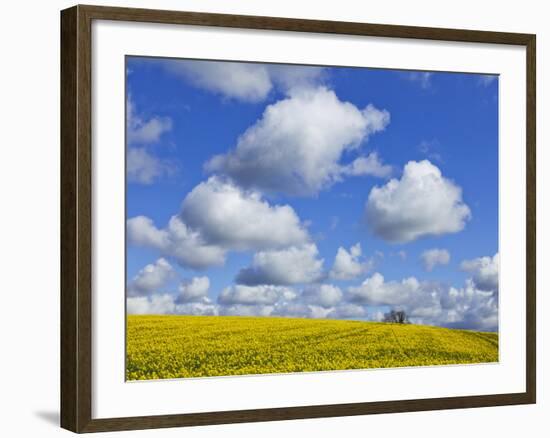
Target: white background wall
x,y
29,231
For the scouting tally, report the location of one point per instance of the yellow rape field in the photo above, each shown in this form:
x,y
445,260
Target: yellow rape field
x,y
162,347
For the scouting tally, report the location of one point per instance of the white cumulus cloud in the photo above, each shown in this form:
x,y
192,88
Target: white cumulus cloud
x,y
204,307
193,290
324,295
167,304
297,145
176,240
231,217
246,310
376,291
255,295
141,165
290,78
431,303
348,311
369,165
151,278
424,302
157,304
243,81
144,130
144,168
422,203
484,271
299,309
292,265
348,264
424,78
434,257
469,308
217,217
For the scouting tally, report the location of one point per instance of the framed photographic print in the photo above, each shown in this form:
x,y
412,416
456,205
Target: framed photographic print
x,y
323,218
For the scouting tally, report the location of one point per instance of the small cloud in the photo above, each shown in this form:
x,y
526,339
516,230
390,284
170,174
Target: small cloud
x,y
151,278
254,295
177,240
422,203
429,149
157,304
348,264
293,265
424,79
370,165
227,215
144,131
401,254
144,168
242,81
484,271
426,146
434,257
141,165
324,295
194,290
167,304
348,311
486,80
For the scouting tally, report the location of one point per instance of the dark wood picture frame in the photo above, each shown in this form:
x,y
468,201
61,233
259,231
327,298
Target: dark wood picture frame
x,y
76,218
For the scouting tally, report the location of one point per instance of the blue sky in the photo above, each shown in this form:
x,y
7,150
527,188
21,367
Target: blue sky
x,y
293,190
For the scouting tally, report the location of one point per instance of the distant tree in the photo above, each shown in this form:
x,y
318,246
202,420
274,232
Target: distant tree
x,y
396,316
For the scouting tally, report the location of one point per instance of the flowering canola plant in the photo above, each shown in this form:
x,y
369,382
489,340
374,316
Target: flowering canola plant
x,y
176,346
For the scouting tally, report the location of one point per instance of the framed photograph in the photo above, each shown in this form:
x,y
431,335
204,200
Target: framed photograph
x,y
268,218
